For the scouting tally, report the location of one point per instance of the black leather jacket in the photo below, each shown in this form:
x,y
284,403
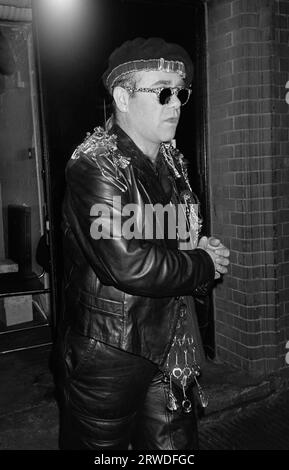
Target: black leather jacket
x,y
118,291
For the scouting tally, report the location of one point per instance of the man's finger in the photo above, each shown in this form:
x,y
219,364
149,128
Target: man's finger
x,y
222,252
223,261
221,269
214,241
203,242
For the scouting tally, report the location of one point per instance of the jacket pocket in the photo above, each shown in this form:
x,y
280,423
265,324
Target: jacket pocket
x,y
109,307
78,353
101,319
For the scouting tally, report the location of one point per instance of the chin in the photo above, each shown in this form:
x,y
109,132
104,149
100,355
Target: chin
x,y
168,136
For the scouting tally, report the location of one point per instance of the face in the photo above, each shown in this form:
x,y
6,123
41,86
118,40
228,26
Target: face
x,y
149,122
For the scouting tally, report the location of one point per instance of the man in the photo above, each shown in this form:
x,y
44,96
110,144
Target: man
x,y
128,359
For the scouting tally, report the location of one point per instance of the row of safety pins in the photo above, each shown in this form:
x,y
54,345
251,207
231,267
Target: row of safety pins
x,y
182,375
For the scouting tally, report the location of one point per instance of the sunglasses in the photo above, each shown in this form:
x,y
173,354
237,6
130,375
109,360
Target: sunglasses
x,y
165,94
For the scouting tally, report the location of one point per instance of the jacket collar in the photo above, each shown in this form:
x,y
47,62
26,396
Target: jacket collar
x,y
127,146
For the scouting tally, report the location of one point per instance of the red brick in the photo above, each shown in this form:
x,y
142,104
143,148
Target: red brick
x,y
222,69
285,269
254,177
238,192
283,189
262,271
286,255
222,42
276,121
222,82
263,190
251,339
281,21
268,324
221,97
285,228
250,107
239,272
223,139
248,35
284,121
284,176
253,121
254,259
251,219
280,134
241,6
285,242
219,112
284,321
266,298
223,304
250,78
284,151
256,368
226,26
284,36
283,7
253,64
227,242
222,125
279,106
225,153
230,332
254,157
252,352
280,162
247,246
281,50
248,93
222,12
255,205
225,204
248,19
252,326
258,312
259,51
256,150
284,296
254,232
243,324
253,285
227,356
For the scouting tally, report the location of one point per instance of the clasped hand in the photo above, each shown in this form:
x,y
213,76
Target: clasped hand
x,y
218,253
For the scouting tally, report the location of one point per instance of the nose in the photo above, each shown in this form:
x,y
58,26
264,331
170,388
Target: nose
x,y
174,101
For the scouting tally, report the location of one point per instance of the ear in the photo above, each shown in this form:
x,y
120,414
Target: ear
x,y
121,98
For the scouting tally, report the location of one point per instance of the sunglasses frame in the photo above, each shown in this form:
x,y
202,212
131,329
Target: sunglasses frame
x,y
157,91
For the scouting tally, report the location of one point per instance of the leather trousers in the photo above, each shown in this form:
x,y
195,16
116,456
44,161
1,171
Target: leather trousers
x,y
113,400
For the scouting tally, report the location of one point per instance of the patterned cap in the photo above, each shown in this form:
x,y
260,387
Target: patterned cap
x,y
147,54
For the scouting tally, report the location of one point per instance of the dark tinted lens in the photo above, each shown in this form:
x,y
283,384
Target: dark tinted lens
x,y
183,95
165,96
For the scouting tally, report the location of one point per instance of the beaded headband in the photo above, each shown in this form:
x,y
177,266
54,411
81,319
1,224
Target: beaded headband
x,y
146,65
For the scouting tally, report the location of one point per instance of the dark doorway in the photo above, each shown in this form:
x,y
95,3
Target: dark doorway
x,y
73,94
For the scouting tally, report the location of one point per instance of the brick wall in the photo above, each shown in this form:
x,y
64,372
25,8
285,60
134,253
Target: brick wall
x,y
248,67
281,183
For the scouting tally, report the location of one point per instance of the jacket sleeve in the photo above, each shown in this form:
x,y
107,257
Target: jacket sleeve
x,y
135,266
